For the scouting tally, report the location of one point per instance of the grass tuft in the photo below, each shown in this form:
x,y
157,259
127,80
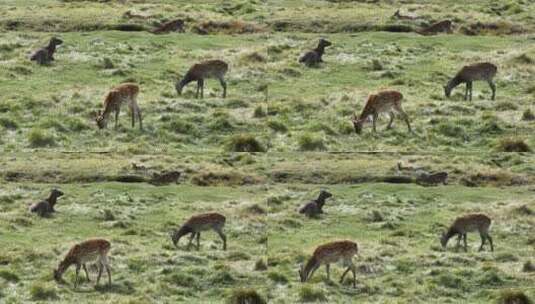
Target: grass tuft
x,y
513,145
309,142
40,291
310,294
245,296
513,297
40,138
244,143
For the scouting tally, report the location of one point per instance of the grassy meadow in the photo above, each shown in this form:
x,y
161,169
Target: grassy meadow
x,y
283,133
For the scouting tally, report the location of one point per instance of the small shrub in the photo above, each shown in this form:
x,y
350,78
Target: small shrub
x,y
451,130
40,291
309,294
376,65
513,145
528,267
244,143
527,115
259,112
506,106
309,142
277,277
277,126
182,127
245,296
183,280
513,297
9,276
8,123
260,265
40,138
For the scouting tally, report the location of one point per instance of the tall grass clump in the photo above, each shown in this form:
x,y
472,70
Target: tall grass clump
x,y
513,297
527,115
513,145
41,138
309,142
40,292
244,143
309,294
245,296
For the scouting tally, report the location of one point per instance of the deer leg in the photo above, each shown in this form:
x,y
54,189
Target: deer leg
x,y
109,273
223,238
78,266
100,266
190,240
493,88
198,89
391,120
86,273
313,270
117,117
198,240
353,269
465,244
490,241
327,268
138,112
133,114
459,238
483,239
202,88
224,85
470,89
374,121
344,274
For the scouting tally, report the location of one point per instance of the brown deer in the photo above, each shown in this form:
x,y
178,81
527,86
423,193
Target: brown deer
x,y
384,101
198,223
45,207
80,254
313,58
444,26
484,71
171,26
468,223
204,70
331,253
124,93
46,55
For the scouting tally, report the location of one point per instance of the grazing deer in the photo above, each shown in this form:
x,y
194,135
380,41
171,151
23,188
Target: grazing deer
x,y
468,223
124,93
331,253
444,26
204,70
315,207
198,223
45,207
313,58
384,101
46,55
80,254
398,15
480,71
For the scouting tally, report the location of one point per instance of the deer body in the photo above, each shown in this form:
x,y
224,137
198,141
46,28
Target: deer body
x,y
382,102
82,253
469,223
314,57
171,26
315,207
124,93
198,223
480,71
43,208
444,26
331,253
199,72
46,55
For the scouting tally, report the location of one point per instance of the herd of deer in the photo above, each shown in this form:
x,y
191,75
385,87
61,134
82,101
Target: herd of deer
x,y
338,251
388,101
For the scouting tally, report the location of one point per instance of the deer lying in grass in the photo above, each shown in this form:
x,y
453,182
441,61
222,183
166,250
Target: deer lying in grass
x,y
468,223
398,15
198,223
331,253
313,58
201,71
382,102
480,71
444,26
124,93
315,207
44,208
82,253
46,55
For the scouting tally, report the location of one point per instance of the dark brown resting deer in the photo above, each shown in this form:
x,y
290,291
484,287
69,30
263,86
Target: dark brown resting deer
x,y
46,55
483,71
199,72
444,26
315,207
313,58
82,253
331,253
44,208
198,223
382,102
468,223
124,93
